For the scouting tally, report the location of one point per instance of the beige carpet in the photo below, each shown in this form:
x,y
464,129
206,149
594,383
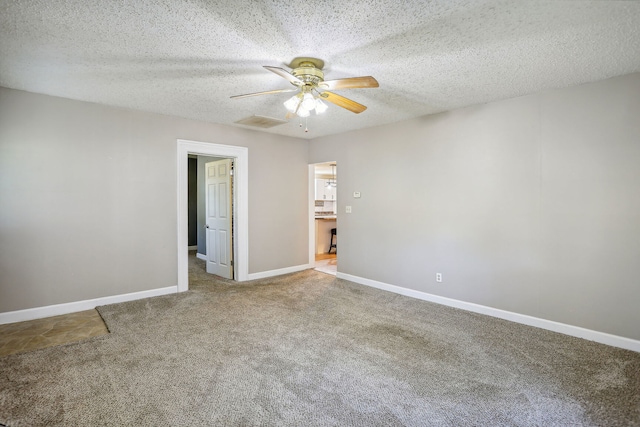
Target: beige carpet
x,y
308,349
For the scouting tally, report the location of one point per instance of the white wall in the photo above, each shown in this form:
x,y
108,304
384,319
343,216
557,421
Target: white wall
x,y
530,205
88,199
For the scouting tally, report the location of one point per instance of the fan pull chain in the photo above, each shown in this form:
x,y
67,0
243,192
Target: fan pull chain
x,y
306,122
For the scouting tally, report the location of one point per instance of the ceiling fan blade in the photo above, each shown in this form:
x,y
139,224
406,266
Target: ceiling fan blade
x,y
343,102
349,83
284,73
263,93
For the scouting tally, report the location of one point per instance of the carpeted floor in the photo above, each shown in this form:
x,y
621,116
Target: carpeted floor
x,y
307,349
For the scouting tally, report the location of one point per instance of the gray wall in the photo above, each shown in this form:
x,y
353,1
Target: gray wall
x,y
88,199
530,205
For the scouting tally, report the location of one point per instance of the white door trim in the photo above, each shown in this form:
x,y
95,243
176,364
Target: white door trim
x,y
312,215
241,198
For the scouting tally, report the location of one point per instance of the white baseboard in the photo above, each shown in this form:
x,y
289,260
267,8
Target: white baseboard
x,y
72,307
575,331
278,272
192,248
270,273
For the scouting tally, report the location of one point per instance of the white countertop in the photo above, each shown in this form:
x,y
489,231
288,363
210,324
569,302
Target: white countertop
x,y
326,217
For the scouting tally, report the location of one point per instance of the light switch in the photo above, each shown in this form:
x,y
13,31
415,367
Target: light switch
x,y
356,194
348,209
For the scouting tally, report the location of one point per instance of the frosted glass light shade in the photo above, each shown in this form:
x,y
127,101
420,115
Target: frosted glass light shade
x,y
308,102
303,112
321,107
291,104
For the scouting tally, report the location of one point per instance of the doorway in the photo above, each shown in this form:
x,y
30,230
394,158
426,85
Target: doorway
x,y
323,183
211,208
240,195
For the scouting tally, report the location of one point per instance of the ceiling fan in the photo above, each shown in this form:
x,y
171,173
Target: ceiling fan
x,y
307,76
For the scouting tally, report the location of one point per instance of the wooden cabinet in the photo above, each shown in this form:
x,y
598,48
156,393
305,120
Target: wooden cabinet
x,y
320,195
330,192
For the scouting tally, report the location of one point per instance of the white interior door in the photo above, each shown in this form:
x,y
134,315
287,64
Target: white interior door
x,y
218,212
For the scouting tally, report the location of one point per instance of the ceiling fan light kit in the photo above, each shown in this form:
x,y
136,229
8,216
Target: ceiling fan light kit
x,y
307,76
302,105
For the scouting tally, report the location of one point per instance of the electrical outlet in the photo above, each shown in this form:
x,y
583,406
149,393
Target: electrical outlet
x,y
348,209
439,277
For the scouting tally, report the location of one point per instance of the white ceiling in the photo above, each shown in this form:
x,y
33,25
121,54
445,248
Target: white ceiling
x,y
186,58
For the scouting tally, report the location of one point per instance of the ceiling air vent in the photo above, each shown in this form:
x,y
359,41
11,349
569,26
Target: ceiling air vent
x,y
261,121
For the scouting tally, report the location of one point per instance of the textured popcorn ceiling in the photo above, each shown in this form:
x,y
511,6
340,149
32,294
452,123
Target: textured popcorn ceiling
x,y
186,58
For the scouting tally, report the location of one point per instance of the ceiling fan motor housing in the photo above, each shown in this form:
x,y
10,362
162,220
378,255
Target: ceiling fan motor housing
x,y
308,73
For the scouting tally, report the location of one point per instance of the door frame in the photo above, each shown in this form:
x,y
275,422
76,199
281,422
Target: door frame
x,y
241,200
312,215
312,210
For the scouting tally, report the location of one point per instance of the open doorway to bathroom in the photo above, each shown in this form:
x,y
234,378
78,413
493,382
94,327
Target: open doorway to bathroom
x,y
325,219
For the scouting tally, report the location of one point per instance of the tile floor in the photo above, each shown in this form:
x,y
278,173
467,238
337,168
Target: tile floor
x,y
40,333
326,263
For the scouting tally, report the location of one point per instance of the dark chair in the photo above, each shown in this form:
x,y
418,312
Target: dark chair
x,y
334,233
